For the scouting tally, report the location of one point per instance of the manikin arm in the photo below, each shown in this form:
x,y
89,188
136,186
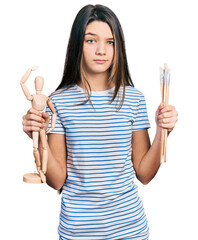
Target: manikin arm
x,y
53,122
23,80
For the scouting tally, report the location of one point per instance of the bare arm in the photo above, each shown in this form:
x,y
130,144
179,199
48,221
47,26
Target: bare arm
x,y
146,157
56,168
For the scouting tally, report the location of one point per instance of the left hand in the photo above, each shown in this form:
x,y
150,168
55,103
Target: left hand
x,y
166,117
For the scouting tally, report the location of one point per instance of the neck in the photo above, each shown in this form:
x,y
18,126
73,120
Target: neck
x,y
98,82
38,92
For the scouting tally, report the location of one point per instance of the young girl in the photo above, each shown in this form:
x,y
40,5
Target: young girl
x,y
100,141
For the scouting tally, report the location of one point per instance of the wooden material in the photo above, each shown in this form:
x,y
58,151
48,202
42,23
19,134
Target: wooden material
x,y
164,89
38,102
32,178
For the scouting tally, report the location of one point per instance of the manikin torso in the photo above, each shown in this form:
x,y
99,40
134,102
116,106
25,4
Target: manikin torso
x,y
39,101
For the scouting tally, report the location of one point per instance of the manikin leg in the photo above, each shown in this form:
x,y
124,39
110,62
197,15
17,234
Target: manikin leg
x,y
35,136
39,166
44,155
34,177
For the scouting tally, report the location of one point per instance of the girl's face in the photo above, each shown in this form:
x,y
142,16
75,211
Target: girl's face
x,y
98,48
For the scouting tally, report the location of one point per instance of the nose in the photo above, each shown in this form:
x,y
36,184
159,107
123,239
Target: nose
x,y
100,50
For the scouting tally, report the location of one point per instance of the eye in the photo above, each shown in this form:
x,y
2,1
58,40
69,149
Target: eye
x,y
90,41
110,42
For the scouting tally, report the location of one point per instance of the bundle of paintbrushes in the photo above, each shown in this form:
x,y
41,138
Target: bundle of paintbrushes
x,y
164,85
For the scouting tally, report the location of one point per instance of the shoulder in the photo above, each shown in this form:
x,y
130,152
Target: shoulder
x,y
134,93
63,93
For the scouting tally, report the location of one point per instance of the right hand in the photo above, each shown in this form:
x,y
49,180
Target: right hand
x,y
35,121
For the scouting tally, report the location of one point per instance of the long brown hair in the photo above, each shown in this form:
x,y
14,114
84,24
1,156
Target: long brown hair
x,y
73,69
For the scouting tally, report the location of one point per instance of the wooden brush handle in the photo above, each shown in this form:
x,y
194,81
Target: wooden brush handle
x,y
165,130
164,87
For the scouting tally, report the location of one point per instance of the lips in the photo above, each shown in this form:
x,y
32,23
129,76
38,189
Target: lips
x,y
100,61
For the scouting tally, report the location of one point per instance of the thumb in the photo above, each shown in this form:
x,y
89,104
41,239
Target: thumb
x,y
159,108
45,115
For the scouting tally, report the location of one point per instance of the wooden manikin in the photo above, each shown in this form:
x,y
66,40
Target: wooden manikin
x,y
39,102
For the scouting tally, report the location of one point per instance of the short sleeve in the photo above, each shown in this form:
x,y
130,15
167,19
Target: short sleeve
x,y
59,128
141,120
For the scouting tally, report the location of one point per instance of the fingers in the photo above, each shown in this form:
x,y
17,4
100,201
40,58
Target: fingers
x,y
167,112
45,115
34,112
168,108
34,121
46,119
33,125
167,117
168,123
33,118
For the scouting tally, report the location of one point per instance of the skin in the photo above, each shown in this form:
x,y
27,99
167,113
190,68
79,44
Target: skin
x,y
98,46
98,54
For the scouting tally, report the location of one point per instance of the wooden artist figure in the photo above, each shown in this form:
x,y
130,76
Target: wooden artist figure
x,y
39,102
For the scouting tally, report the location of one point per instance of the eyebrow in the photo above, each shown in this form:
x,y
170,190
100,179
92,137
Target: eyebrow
x,y
93,34
89,33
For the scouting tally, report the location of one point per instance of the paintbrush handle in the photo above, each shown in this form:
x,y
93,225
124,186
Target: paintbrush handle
x,y
166,131
162,137
165,144
164,88
162,160
162,147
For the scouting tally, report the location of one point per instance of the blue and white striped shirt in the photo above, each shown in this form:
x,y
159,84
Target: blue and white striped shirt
x,y
99,199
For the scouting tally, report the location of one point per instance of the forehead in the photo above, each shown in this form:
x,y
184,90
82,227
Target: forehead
x,y
99,28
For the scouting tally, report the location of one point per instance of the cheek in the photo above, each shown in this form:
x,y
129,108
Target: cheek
x,y
111,54
88,51
87,57
111,51
85,53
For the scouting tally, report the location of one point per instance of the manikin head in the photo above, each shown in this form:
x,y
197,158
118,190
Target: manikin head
x,y
39,82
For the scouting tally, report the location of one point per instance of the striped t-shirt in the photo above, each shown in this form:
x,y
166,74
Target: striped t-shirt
x,y
99,199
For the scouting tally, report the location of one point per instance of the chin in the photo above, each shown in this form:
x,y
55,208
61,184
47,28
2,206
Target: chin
x,y
100,69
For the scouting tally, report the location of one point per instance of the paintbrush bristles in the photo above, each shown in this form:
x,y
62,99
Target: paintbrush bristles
x,y
164,88
161,83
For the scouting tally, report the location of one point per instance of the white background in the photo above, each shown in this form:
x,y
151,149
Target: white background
x,y
156,31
